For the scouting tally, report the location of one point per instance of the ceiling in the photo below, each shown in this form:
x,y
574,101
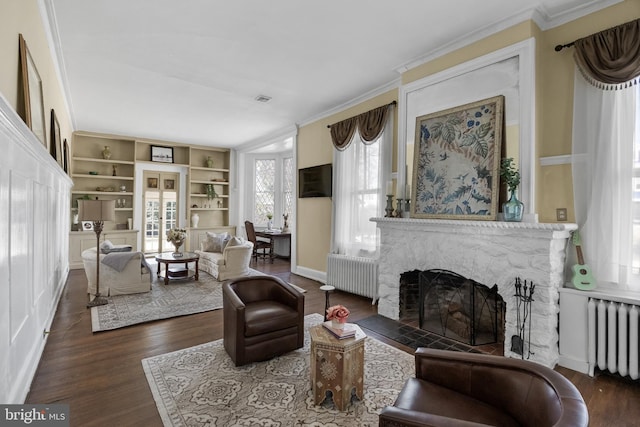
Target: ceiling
x,y
189,71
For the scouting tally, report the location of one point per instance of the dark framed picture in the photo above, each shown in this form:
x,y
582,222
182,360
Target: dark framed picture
x,y
169,184
152,182
65,149
56,140
161,154
457,162
32,91
87,226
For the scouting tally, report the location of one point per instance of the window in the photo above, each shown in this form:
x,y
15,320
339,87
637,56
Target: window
x,y
636,196
360,172
606,181
265,173
274,189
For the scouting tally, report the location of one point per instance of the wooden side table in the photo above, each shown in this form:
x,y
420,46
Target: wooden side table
x,y
336,366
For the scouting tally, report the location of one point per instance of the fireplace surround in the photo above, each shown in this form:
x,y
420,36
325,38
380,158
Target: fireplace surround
x,y
489,252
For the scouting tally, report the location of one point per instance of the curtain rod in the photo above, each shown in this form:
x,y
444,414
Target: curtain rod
x,y
559,47
391,103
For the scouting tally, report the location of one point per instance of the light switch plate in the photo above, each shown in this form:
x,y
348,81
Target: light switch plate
x,y
561,214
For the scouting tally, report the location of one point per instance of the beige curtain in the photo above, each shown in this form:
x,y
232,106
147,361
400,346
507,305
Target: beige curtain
x,y
369,125
610,59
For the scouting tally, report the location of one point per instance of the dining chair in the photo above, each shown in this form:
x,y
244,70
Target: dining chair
x,y
258,244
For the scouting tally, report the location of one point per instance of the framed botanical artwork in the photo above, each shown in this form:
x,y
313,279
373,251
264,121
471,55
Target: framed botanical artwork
x,y
56,140
161,154
456,170
32,90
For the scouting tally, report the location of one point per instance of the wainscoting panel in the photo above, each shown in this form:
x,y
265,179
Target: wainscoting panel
x,y
34,261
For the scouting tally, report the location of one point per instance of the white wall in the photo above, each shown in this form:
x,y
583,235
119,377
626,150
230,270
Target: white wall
x,y
34,254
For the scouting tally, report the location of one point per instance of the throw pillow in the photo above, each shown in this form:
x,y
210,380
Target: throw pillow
x,y
214,242
234,241
106,246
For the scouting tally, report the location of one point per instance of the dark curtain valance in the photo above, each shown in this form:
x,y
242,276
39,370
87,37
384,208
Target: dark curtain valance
x,y
610,59
369,125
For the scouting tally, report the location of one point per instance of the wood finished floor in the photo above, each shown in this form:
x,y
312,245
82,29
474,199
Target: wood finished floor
x,y
100,375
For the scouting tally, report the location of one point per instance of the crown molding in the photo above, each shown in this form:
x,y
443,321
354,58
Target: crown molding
x,y
394,84
263,141
50,23
543,19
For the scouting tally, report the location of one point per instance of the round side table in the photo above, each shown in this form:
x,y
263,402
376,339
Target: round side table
x,y
326,289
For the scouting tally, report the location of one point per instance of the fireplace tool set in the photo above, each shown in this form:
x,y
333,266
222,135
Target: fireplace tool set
x,y
524,297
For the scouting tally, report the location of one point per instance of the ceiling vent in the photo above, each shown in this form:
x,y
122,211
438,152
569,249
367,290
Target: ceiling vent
x,y
263,98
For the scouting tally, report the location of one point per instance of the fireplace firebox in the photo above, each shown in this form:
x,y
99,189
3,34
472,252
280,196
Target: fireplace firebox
x,y
454,306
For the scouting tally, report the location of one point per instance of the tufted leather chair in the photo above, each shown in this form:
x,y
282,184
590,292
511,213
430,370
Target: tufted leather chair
x,y
463,389
263,318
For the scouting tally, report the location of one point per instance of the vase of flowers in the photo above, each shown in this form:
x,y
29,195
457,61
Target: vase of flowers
x,y
270,221
512,209
177,236
338,314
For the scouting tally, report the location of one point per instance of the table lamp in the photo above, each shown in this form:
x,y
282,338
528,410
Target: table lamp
x,y
97,211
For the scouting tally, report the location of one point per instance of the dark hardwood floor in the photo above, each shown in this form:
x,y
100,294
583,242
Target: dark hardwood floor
x,y
100,375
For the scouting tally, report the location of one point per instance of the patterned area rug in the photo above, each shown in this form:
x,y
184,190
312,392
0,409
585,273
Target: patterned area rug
x,y
178,298
200,386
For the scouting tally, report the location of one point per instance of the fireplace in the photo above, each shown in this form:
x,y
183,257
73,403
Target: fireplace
x,y
488,252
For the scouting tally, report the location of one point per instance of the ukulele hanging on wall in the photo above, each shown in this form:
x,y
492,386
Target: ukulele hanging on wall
x,y
582,277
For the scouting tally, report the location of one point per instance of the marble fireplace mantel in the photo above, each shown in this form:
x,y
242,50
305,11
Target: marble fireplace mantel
x,y
489,252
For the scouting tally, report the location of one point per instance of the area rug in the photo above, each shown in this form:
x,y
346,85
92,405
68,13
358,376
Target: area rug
x,y
178,298
200,386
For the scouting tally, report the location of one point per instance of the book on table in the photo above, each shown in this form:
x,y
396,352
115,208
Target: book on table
x,y
348,331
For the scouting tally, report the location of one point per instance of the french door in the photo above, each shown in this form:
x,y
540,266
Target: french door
x,y
160,210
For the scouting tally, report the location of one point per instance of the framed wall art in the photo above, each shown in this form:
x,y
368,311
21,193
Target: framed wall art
x,y
56,140
456,171
161,154
87,225
32,91
65,149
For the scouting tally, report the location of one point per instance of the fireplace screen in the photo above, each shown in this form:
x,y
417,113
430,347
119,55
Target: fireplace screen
x,y
458,308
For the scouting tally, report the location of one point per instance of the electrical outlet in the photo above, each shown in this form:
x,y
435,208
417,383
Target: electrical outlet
x,y
561,214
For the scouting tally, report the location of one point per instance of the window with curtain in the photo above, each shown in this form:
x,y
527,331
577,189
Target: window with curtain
x,y
359,175
606,153
287,186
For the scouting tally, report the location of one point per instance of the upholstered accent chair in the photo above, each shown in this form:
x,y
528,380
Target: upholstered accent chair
x,y
120,272
464,389
227,259
263,318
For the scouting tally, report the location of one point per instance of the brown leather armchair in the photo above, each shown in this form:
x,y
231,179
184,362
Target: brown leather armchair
x,y
464,389
263,318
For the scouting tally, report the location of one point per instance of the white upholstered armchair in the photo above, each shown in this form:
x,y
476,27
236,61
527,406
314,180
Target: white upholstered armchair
x,y
232,262
127,275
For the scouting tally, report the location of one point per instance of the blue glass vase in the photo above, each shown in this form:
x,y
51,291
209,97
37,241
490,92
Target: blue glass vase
x,y
513,209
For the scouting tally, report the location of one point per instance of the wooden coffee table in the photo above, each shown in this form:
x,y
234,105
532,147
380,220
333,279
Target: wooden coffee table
x,y
337,365
182,272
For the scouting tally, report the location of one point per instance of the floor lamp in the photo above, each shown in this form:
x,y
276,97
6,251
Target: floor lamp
x,y
97,211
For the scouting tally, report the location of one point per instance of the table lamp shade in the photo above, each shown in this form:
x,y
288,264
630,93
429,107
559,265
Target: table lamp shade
x,y
97,210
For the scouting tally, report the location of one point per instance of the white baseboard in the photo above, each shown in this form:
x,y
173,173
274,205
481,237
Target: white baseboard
x,y
319,276
574,364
